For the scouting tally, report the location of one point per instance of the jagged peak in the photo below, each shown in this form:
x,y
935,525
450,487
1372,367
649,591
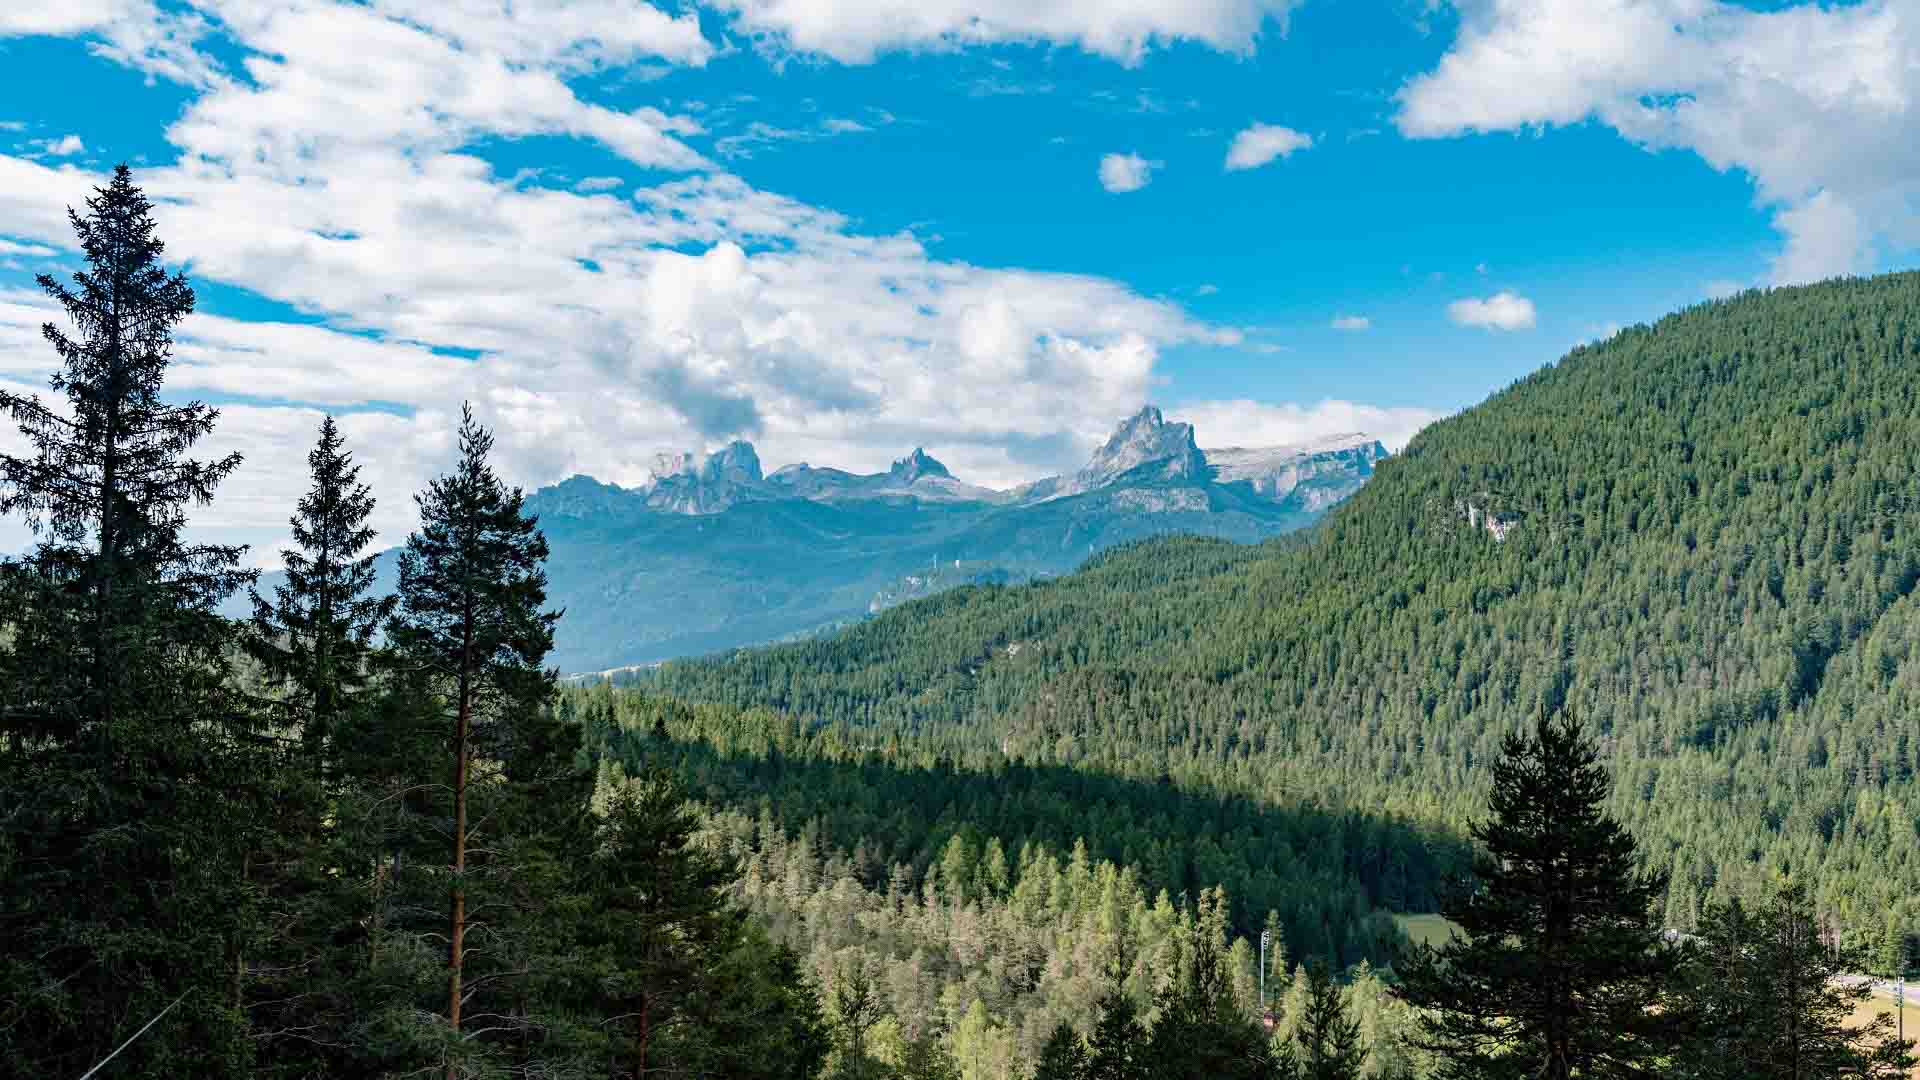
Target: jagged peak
x,y
735,461
918,464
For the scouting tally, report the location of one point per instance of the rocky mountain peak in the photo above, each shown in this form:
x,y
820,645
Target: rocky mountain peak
x,y
735,463
916,465
1146,439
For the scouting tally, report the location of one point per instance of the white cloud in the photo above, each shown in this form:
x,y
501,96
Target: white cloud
x,y
1503,310
36,251
1720,289
1815,102
1261,143
1253,423
599,183
1352,322
1126,172
65,146
335,179
856,31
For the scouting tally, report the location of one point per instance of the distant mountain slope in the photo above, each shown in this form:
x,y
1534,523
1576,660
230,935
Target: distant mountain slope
x,y
1704,535
711,554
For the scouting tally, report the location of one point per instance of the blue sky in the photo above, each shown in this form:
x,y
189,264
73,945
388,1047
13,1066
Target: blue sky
x,y
845,227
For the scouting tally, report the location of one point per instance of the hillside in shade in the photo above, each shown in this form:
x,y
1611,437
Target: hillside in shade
x,y
1703,535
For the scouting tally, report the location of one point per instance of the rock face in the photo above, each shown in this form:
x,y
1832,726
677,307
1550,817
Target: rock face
x,y
1310,476
728,476
918,475
1144,449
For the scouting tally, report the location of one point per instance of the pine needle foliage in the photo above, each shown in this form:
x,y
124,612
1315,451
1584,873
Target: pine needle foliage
x,y
131,775
1562,971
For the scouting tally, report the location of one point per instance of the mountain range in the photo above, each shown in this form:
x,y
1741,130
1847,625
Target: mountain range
x,y
710,552
1700,536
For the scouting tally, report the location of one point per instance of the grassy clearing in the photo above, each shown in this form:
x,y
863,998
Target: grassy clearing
x,y
1883,1003
1426,929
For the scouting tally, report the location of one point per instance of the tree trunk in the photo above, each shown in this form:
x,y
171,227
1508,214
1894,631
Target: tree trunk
x,y
458,931
640,1049
103,653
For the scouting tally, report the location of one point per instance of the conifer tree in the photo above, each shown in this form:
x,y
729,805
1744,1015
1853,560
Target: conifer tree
x,y
1203,1029
470,623
1768,1000
1117,1050
128,771
1329,1039
657,923
1562,968
314,638
1063,1057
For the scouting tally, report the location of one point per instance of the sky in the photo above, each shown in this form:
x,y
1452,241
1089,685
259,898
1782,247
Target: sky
x,y
845,228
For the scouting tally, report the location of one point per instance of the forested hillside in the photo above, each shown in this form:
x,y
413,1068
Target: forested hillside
x,y
1702,535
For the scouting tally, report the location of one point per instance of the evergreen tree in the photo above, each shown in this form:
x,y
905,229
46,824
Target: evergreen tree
x,y
1329,1039
1117,1050
1768,1000
470,625
656,923
1203,1029
314,644
1063,1057
857,1008
315,637
1561,970
1891,956
759,1017
129,772
927,1058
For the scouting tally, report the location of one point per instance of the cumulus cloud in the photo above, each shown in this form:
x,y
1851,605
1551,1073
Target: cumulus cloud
x,y
65,146
1254,423
1261,143
856,31
1505,310
592,330
1815,102
1352,322
1126,172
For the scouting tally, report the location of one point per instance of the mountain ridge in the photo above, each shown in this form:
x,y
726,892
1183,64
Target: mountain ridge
x,y
1145,449
710,553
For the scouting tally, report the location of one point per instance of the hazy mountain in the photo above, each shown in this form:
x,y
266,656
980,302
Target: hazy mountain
x,y
710,553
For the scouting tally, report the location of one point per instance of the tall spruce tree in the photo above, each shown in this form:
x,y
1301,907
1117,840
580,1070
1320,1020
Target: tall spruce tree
x,y
1329,1038
1562,969
1769,1000
129,773
314,644
471,624
315,637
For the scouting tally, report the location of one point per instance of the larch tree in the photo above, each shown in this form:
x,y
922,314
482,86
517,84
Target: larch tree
x,y
657,923
1562,972
129,773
